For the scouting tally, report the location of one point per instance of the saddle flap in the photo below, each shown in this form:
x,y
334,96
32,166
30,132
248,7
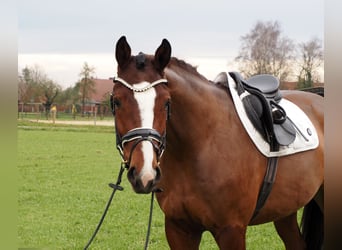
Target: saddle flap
x,y
284,133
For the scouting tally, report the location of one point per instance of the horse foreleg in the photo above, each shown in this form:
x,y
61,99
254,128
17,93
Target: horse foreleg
x,y
231,237
289,232
181,236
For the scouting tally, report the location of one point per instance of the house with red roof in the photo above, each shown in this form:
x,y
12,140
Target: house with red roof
x,y
100,98
103,89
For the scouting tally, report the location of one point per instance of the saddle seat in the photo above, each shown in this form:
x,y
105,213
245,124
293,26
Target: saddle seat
x,y
266,84
260,96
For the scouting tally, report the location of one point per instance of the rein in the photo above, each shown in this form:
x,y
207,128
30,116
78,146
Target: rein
x,y
115,187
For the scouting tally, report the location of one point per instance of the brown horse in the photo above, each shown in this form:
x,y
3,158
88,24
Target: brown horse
x,y
179,132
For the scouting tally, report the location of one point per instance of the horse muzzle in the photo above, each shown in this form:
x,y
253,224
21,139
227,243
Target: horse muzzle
x,y
143,182
144,178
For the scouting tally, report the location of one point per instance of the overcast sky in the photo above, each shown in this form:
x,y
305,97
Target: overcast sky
x,y
59,36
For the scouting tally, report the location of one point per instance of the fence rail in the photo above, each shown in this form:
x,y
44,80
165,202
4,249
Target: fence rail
x,y
316,90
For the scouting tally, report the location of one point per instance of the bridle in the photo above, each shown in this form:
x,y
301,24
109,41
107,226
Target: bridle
x,y
137,135
141,134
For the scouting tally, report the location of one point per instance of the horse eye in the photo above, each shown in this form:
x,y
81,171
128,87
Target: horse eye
x,y
167,103
116,102
168,109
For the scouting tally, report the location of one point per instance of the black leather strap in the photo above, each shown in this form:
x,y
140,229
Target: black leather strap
x,y
141,134
271,171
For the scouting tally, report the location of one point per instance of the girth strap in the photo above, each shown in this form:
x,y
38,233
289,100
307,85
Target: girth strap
x,y
265,190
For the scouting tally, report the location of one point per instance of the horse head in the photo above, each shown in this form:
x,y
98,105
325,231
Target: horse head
x,y
140,104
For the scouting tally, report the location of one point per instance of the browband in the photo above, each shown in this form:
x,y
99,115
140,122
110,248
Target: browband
x,y
129,86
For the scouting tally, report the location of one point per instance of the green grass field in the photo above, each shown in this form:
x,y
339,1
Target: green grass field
x,y
64,173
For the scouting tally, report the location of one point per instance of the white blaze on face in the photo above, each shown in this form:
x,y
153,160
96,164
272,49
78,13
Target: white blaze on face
x,y
146,100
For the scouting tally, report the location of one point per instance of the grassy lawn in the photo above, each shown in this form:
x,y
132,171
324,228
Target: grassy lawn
x,y
64,173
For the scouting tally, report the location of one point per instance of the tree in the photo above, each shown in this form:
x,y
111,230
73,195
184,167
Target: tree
x,y
28,84
23,87
35,86
311,58
265,51
68,96
50,90
86,85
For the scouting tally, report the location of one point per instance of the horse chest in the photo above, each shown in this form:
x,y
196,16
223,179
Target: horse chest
x,y
184,205
179,199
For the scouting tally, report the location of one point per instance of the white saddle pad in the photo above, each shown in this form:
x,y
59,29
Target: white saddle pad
x,y
306,135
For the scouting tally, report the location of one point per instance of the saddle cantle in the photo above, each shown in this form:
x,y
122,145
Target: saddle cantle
x,y
260,96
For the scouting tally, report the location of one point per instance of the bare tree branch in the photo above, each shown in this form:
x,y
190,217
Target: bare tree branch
x,y
311,58
265,51
86,85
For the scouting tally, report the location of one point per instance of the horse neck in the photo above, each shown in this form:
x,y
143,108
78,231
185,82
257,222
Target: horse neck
x,y
197,109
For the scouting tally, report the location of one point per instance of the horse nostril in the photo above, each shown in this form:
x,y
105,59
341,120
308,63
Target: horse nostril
x,y
131,174
158,174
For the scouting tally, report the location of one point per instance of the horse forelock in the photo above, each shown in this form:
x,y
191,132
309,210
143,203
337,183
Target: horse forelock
x,y
140,60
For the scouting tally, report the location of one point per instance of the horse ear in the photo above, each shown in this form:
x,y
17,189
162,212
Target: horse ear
x,y
162,55
122,52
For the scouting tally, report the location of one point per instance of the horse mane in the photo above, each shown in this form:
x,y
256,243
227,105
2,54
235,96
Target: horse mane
x,y
182,65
